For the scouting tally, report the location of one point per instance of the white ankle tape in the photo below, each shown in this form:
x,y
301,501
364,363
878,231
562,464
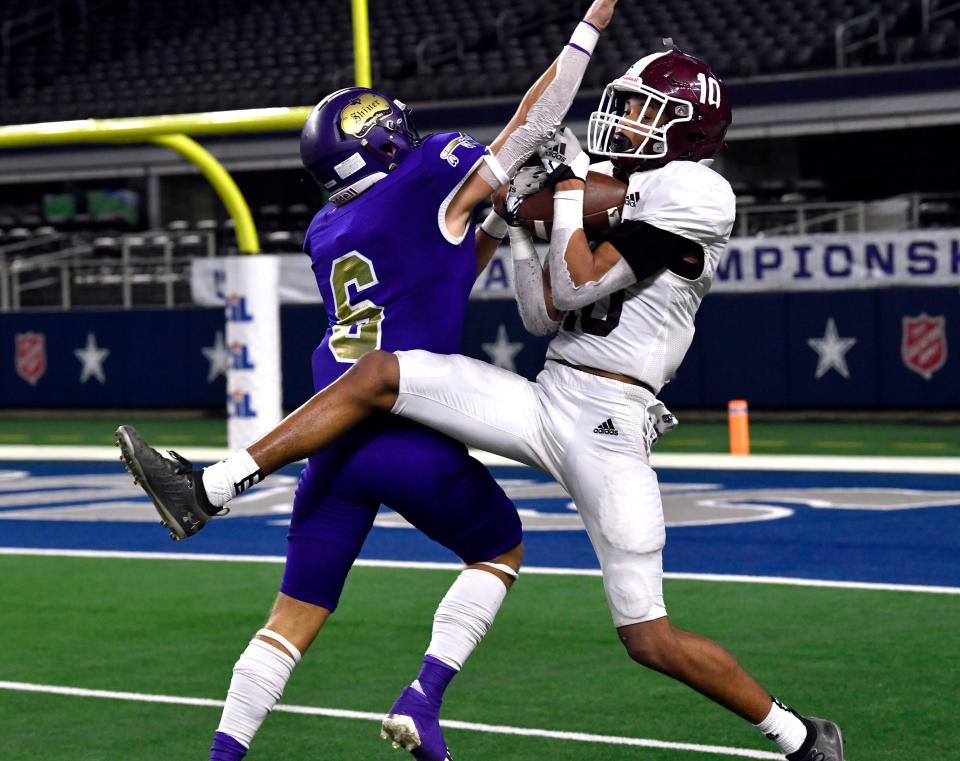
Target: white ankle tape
x,y
294,653
502,567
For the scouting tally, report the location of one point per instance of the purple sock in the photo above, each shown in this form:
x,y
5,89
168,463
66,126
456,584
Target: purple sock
x,y
434,677
225,748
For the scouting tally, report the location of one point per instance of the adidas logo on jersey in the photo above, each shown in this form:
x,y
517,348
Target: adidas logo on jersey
x,y
557,153
606,427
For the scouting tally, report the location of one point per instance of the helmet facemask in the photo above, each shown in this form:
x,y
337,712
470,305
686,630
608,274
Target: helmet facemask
x,y
400,135
607,128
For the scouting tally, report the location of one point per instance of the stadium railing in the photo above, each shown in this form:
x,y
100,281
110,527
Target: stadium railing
x,y
127,271
904,212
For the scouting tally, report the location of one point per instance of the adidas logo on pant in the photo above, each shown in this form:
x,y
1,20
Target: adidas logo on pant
x,y
606,427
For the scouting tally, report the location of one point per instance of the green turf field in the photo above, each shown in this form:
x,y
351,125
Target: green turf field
x,y
830,438
884,664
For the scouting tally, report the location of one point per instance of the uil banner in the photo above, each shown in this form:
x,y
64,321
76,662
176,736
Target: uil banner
x,y
253,338
297,284
841,262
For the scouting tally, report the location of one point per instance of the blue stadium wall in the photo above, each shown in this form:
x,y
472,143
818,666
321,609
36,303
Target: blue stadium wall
x,y
752,346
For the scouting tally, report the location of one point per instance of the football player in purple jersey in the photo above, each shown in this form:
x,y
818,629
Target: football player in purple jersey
x,y
395,258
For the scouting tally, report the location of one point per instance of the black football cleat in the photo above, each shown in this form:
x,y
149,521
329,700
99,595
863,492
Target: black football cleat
x,y
175,488
826,746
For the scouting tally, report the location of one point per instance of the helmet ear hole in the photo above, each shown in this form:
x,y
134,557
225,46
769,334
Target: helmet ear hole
x,y
389,148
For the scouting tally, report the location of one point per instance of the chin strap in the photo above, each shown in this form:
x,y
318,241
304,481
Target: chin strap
x,y
352,191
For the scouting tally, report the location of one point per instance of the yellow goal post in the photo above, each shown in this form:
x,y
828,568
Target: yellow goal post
x,y
177,132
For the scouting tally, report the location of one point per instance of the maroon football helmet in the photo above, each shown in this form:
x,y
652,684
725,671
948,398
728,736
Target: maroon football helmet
x,y
692,112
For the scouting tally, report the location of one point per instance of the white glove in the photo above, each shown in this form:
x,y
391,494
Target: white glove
x,y
563,158
528,181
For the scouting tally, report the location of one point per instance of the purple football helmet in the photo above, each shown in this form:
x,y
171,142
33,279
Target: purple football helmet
x,y
691,112
353,138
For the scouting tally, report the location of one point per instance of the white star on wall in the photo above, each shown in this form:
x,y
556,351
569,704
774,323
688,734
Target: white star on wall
x,y
502,351
218,356
831,351
92,357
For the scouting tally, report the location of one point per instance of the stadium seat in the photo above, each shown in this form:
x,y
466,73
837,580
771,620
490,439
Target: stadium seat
x,y
267,50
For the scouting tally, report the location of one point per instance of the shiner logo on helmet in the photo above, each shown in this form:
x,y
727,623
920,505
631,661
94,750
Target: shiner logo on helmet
x,y
362,113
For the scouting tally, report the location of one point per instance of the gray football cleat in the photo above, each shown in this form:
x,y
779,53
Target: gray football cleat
x,y
827,745
175,488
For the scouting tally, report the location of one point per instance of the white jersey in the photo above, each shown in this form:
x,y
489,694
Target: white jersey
x,y
644,331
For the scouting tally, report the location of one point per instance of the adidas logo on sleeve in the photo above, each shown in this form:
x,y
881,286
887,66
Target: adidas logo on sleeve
x,y
606,427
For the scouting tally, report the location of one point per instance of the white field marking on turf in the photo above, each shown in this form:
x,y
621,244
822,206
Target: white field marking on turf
x,y
762,462
336,713
532,570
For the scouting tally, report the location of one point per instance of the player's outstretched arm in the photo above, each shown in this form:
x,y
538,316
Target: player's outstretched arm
x,y
541,110
598,15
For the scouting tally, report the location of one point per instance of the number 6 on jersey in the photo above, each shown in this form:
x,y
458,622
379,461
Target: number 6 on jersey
x,y
358,325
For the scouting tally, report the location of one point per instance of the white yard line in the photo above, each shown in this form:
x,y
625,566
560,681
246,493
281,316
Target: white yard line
x,y
139,697
850,464
532,570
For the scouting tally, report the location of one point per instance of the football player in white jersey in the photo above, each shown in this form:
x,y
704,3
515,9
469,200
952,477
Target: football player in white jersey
x,y
624,308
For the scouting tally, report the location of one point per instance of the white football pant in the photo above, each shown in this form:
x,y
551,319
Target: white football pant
x,y
592,434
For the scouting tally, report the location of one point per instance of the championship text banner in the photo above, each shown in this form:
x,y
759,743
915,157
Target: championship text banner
x,y
841,262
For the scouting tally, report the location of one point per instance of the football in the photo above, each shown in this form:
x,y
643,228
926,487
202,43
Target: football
x,y
602,205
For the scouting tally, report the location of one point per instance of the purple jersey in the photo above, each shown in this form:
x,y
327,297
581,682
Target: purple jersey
x,y
391,277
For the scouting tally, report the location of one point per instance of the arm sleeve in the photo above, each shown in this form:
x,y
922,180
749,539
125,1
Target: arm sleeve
x,y
567,296
567,219
546,113
528,283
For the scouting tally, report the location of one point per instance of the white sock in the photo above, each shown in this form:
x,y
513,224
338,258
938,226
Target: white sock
x,y
258,681
464,616
783,727
226,479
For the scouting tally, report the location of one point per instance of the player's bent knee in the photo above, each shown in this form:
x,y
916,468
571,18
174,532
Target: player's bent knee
x,y
650,644
505,566
512,558
377,378
293,624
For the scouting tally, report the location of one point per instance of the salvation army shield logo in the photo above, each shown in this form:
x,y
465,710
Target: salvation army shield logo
x,y
31,356
924,344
